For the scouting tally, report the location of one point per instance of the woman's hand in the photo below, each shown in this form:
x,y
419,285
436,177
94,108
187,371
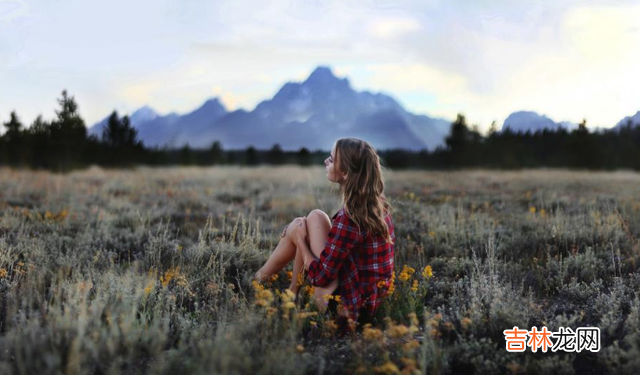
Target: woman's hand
x,y
284,231
299,230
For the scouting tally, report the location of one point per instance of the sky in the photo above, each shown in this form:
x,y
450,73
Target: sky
x,y
569,60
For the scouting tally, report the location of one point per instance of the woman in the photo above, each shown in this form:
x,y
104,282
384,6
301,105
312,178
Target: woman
x,y
352,254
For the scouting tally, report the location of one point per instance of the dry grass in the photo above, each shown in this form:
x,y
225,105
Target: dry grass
x,y
148,271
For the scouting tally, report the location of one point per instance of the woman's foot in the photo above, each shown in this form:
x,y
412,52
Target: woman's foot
x,y
260,277
295,290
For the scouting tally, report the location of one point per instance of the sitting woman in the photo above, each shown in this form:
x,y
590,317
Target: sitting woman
x,y
352,254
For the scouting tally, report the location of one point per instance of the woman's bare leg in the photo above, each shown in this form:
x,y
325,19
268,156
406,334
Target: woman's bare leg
x,y
281,256
318,227
298,265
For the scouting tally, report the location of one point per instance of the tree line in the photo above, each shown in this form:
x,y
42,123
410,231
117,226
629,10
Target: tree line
x,y
63,144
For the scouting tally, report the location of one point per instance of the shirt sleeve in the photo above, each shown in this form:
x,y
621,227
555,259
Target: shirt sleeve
x,y
343,236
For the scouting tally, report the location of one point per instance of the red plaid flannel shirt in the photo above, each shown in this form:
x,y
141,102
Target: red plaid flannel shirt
x,y
360,261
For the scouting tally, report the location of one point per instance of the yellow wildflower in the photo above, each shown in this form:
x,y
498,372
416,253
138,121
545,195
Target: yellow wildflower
x,y
265,294
532,210
257,286
408,270
169,275
428,272
289,305
410,346
465,323
149,288
310,290
414,287
3,273
372,334
308,314
392,284
388,368
332,325
413,318
270,310
262,303
287,295
397,330
448,326
289,275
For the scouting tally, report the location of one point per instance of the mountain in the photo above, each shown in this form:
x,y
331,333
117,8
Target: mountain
x,y
522,121
172,130
313,114
141,115
634,120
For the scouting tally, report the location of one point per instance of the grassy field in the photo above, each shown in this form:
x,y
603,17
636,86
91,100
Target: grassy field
x,y
149,271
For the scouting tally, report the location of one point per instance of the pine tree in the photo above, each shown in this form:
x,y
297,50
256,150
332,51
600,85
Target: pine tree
x,y
68,134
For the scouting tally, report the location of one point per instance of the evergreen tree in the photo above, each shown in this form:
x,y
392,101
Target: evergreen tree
x,y
216,153
39,135
121,139
304,156
68,134
251,156
13,141
276,155
119,133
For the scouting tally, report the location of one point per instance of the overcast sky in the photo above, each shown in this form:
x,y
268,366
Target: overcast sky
x,y
483,58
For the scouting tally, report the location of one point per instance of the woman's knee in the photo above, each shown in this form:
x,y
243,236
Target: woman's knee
x,y
295,225
318,216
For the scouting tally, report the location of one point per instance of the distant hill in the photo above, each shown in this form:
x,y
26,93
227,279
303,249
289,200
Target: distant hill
x,y
523,121
311,114
634,120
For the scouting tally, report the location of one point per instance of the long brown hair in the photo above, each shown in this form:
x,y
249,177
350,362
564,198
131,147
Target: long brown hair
x,y
363,189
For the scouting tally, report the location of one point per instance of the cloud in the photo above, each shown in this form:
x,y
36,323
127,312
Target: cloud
x,y
390,28
487,58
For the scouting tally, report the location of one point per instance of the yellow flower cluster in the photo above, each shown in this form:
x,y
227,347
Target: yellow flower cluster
x,y
465,323
169,275
372,334
263,296
387,368
414,287
392,283
427,272
397,330
288,303
310,290
56,216
406,273
329,297
434,323
149,288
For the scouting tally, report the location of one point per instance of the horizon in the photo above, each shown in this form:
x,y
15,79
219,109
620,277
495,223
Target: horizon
x,y
568,62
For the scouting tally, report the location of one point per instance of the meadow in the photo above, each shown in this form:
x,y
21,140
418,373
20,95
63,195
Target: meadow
x,y
148,271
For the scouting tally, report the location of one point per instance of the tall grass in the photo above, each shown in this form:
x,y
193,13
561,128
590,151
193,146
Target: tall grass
x,y
149,271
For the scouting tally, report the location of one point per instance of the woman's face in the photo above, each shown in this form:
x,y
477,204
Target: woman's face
x,y
333,174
